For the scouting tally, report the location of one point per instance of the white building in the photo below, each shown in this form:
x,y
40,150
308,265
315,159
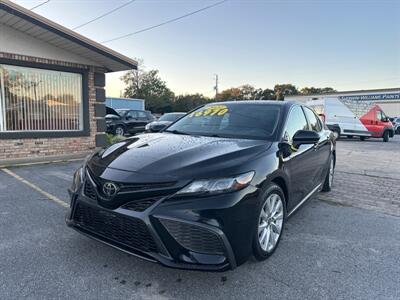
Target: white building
x,y
387,99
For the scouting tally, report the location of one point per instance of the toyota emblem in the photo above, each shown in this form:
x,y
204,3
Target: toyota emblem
x,y
110,189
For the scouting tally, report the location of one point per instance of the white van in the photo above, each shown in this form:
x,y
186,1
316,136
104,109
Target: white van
x,y
349,118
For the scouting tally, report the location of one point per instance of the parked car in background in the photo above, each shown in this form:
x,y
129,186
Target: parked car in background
x,y
164,121
396,124
127,121
212,189
364,119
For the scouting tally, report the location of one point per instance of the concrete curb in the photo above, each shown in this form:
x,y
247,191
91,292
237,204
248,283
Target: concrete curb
x,y
42,160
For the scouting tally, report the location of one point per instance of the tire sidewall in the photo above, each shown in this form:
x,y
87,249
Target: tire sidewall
x,y
327,187
119,126
259,253
386,136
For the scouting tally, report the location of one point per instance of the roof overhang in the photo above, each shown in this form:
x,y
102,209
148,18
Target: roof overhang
x,y
32,24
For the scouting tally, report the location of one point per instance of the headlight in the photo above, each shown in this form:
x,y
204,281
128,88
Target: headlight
x,y
216,186
78,178
147,127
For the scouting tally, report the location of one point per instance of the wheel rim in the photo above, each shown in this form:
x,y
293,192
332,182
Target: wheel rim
x,y
119,131
335,134
331,172
270,222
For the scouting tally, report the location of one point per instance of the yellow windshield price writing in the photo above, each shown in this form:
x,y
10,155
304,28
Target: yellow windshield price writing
x,y
215,110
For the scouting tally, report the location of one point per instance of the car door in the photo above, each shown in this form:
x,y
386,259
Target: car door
x,y
298,164
322,149
131,121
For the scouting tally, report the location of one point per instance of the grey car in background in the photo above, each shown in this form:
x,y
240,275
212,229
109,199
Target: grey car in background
x,y
164,121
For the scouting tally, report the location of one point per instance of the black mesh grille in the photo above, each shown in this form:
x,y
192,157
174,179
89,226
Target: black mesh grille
x,y
129,231
124,187
140,205
89,190
194,238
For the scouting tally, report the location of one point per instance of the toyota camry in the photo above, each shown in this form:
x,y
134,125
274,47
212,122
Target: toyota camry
x,y
211,189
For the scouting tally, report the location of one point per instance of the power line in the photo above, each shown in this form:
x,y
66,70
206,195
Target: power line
x,y
166,22
105,14
40,4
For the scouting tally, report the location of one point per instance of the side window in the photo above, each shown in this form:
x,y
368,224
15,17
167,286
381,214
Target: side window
x,y
132,114
142,115
296,121
315,123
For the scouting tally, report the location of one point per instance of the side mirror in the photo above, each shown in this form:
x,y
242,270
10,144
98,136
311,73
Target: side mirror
x,y
303,137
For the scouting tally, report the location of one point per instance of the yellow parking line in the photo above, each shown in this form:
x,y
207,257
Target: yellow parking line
x,y
36,188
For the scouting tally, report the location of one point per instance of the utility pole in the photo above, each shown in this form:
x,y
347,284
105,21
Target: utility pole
x,y
216,85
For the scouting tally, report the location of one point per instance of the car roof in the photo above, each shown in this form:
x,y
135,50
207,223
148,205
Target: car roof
x,y
263,102
132,109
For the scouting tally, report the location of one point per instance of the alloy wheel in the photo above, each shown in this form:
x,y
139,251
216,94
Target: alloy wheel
x,y
270,222
119,131
335,135
331,172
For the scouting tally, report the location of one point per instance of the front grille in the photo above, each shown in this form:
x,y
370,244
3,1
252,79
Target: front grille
x,y
138,187
194,238
128,231
89,190
140,205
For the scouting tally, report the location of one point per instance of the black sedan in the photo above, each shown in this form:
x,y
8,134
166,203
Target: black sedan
x,y
163,121
209,191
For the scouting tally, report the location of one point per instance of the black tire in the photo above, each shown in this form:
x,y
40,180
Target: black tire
x,y
270,189
327,187
120,130
362,138
386,136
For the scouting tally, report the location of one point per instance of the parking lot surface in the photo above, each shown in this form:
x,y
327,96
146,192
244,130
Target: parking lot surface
x,y
340,245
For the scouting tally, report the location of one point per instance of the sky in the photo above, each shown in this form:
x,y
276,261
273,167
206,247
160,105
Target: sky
x,y
344,44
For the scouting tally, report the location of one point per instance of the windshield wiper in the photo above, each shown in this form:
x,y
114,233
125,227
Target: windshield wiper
x,y
177,132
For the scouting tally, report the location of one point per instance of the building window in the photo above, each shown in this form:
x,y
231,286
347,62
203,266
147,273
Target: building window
x,y
39,100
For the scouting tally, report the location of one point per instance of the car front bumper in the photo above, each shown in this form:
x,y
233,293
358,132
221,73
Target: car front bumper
x,y
110,128
210,233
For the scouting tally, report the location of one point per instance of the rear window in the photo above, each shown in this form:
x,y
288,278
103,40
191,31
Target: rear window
x,y
170,117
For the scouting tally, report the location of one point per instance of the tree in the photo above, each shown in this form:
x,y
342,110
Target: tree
x,y
247,92
149,86
314,90
188,102
282,90
230,94
266,94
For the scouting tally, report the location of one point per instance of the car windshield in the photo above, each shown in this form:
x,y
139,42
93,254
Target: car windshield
x,y
170,117
231,120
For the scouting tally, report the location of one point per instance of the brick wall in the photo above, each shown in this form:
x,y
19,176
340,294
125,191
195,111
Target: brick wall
x,y
11,149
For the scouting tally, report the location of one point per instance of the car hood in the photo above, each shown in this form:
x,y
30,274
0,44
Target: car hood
x,y
166,156
158,123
